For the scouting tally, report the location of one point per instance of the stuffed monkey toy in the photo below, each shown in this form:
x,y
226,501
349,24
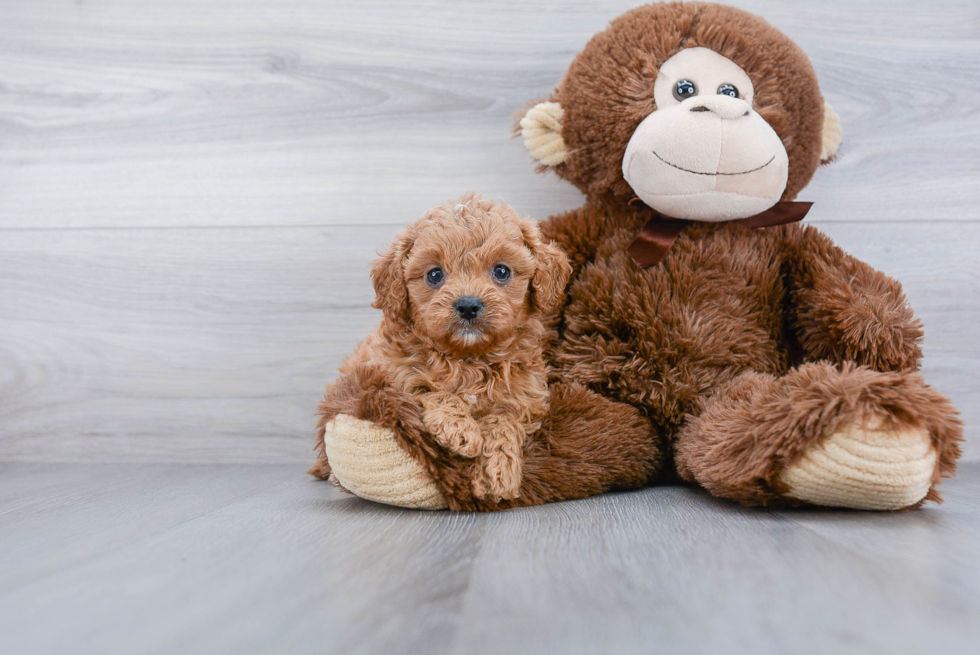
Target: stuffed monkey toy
x,y
705,333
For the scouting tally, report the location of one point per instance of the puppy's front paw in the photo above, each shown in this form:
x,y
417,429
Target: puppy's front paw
x,y
500,476
454,431
447,418
470,440
462,436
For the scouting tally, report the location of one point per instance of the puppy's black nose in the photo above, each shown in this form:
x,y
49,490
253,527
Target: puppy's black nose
x,y
468,307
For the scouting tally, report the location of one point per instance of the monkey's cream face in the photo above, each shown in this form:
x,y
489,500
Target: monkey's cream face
x,y
705,154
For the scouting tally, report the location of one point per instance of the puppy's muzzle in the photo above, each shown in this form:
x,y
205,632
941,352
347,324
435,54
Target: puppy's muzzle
x,y
468,307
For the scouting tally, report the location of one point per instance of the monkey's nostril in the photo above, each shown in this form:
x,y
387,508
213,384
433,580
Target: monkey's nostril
x,y
700,108
468,307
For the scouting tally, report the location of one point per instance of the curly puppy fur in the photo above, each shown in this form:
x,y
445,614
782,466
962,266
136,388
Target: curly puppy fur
x,y
481,382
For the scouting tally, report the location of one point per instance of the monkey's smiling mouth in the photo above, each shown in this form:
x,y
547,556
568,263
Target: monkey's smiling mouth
x,y
687,170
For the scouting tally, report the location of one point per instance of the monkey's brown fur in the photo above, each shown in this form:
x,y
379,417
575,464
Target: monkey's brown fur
x,y
482,384
737,353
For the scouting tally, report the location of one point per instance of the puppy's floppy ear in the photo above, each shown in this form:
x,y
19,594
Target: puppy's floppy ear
x,y
551,273
388,276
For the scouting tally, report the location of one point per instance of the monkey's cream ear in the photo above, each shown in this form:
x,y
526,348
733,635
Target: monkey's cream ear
x,y
832,133
541,129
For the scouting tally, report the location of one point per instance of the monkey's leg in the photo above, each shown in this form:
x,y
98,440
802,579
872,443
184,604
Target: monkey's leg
x,y
823,435
587,445
367,437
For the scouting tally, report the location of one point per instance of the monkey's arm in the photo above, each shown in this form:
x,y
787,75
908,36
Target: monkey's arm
x,y
844,310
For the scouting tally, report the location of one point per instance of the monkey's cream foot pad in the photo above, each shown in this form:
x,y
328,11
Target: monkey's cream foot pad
x,y
865,465
369,462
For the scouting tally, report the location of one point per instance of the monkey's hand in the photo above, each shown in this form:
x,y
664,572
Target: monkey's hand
x,y
844,310
448,419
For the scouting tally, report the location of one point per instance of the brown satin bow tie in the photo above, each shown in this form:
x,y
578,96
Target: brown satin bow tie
x,y
657,236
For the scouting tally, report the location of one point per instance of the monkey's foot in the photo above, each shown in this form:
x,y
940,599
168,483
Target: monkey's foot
x,y
866,464
368,461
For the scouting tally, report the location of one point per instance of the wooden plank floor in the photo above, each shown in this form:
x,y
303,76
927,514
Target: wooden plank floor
x,y
105,559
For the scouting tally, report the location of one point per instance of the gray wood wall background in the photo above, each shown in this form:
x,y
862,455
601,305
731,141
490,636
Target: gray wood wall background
x,y
191,191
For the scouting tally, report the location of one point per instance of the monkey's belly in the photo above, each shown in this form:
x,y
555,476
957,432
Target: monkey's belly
x,y
662,340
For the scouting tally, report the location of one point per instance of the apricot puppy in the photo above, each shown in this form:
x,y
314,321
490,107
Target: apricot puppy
x,y
463,292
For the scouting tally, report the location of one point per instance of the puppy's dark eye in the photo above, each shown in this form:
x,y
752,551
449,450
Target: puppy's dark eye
x,y
728,90
685,89
435,277
501,273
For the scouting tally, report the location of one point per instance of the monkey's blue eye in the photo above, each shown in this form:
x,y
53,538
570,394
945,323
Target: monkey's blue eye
x,y
501,273
728,90
435,277
685,89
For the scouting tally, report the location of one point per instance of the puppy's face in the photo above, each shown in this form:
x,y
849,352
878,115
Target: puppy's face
x,y
468,287
473,273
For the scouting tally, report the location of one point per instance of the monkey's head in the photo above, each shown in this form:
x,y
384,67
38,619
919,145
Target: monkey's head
x,y
702,111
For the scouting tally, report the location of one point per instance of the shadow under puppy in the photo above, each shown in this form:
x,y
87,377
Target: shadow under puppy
x,y
464,291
